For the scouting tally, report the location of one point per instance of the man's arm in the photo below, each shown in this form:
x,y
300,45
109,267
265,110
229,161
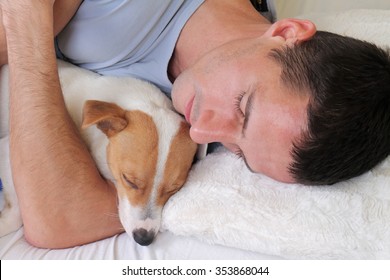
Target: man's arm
x,y
63,12
63,199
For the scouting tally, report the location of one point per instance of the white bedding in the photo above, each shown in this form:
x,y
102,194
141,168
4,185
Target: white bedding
x,y
223,206
167,246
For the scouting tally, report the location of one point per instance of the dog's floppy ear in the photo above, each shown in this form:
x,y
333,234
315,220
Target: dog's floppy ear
x,y
109,117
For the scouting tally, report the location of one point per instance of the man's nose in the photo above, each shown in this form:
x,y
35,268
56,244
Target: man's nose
x,y
212,126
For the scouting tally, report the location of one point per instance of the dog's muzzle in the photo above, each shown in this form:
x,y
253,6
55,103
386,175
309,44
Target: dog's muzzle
x,y
141,223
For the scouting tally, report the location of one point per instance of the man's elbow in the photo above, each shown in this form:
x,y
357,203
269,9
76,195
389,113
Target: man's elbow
x,y
44,235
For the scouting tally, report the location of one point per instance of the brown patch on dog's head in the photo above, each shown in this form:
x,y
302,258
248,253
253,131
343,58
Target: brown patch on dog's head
x,y
132,156
109,117
181,155
132,150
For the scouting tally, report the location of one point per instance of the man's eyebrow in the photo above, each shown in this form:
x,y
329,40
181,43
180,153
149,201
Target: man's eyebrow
x,y
248,111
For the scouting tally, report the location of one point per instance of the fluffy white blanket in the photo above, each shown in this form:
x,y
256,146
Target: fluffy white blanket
x,y
223,203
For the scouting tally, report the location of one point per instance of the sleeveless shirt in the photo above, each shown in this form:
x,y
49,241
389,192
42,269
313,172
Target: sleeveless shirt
x,y
126,37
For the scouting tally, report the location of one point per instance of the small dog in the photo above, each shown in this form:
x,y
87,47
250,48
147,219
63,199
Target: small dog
x,y
145,148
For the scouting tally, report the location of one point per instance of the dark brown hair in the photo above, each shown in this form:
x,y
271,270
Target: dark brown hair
x,y
348,113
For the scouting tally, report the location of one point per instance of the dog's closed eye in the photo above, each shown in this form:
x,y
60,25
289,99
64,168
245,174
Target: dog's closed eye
x,y
129,182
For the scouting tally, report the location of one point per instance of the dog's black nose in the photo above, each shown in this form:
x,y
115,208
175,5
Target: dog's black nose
x,y
143,237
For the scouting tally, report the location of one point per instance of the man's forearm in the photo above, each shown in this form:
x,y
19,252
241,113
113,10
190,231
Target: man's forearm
x,y
59,188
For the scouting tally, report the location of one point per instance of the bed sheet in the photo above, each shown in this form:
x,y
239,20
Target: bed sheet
x,y
167,246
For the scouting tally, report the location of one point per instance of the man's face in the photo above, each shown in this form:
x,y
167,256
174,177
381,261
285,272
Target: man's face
x,y
234,95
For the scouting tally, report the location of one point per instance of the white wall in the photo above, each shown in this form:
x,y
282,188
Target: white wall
x,y
291,8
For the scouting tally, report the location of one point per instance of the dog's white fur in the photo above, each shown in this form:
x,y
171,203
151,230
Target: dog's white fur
x,y
130,94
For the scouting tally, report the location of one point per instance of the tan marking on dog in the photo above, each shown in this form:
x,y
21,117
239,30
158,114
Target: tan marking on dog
x,y
179,161
109,117
133,153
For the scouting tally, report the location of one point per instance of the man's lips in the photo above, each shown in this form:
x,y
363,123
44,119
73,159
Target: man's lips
x,y
188,109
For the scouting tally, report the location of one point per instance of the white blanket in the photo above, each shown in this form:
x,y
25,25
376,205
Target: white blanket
x,y
223,203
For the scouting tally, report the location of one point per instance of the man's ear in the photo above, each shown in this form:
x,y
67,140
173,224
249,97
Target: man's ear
x,y
109,117
292,30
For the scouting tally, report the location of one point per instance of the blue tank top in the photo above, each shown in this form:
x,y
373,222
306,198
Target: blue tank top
x,y
126,37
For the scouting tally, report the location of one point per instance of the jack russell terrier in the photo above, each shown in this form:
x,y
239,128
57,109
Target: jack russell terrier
x,y
136,139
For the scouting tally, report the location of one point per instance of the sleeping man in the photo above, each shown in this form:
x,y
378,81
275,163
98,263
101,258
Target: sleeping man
x,y
298,105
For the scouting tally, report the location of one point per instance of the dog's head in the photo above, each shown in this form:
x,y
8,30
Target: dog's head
x,y
149,155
